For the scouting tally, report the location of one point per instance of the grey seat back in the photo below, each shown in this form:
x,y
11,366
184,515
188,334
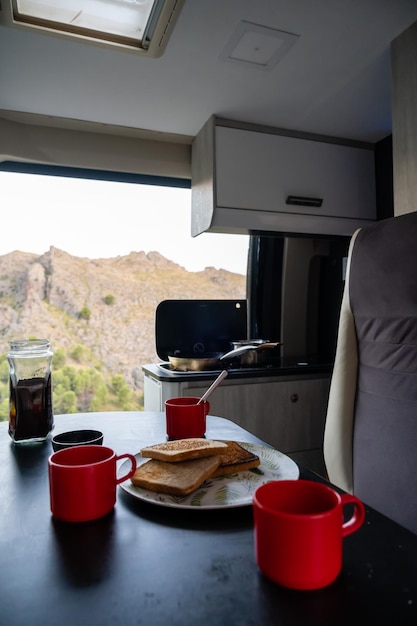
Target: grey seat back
x,y
377,433
383,300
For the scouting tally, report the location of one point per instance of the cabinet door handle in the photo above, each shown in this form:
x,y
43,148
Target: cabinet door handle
x,y
294,397
304,201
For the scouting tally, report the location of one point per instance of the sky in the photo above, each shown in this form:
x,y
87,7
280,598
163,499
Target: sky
x,y
101,219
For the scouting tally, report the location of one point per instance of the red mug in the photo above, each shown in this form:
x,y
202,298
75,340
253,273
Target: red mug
x,y
82,482
299,530
185,418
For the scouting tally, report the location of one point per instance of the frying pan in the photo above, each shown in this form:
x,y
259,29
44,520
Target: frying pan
x,y
248,355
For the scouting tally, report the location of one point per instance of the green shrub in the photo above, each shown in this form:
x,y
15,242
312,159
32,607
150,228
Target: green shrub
x,y
4,371
77,353
59,358
85,313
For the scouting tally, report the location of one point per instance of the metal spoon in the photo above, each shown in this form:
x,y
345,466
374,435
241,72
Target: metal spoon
x,y
213,386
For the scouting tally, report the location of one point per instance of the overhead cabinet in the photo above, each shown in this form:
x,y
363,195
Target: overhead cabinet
x,y
256,180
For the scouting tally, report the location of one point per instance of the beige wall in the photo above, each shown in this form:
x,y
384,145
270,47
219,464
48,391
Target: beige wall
x,y
70,147
404,122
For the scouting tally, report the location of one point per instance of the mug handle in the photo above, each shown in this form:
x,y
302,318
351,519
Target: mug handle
x,y
207,403
358,516
132,469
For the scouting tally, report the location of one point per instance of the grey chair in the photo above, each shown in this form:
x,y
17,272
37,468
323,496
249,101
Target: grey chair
x,y
370,441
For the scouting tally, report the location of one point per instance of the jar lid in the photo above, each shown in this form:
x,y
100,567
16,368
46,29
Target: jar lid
x,y
30,347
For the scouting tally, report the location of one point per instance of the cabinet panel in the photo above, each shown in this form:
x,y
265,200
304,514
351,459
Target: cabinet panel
x,y
259,171
289,415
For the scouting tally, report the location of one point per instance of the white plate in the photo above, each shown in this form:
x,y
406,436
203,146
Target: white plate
x,y
229,491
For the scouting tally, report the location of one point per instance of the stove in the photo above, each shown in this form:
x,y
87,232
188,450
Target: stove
x,y
166,370
182,326
285,366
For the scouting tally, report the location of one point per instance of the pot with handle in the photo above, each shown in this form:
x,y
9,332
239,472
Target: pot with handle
x,y
247,356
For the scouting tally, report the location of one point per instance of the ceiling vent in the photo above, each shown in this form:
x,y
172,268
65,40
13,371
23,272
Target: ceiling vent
x,y
258,46
142,26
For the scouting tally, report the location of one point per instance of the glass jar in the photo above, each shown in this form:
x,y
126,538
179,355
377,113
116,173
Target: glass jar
x,y
30,407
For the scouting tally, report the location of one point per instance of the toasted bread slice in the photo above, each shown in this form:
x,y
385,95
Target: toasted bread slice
x,y
235,459
177,479
183,449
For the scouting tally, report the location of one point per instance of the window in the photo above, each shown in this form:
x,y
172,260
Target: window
x,y
131,23
85,262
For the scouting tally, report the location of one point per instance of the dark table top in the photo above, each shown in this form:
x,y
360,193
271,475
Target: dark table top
x,y
146,564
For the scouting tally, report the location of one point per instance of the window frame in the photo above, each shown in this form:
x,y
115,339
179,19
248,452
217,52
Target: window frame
x,y
94,174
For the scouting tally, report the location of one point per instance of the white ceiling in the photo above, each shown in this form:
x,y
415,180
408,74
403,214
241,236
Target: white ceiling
x,y
335,80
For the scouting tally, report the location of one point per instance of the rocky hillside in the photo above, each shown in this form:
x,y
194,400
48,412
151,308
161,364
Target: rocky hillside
x,y
107,305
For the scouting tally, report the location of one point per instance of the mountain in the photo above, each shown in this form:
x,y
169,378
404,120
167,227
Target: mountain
x,y
105,305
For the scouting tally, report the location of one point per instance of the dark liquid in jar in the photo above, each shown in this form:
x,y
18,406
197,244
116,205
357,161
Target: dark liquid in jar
x,y
31,415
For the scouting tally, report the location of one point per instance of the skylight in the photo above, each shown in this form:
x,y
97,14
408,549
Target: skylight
x,y
130,23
